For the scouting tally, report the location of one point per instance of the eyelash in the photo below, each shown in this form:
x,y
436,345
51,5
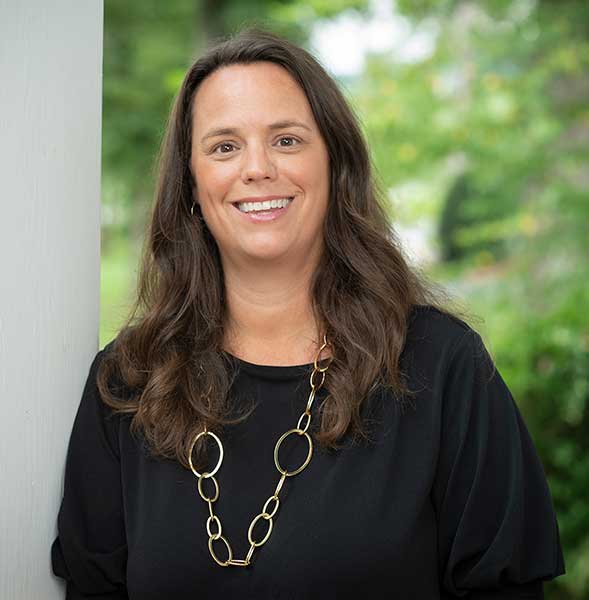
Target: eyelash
x,y
284,137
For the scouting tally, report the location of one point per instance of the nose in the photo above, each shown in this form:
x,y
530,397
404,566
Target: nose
x,y
257,164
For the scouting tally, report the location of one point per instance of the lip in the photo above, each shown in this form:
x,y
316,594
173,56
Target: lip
x,y
264,216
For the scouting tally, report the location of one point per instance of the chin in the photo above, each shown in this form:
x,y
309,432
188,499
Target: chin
x,y
267,254
266,250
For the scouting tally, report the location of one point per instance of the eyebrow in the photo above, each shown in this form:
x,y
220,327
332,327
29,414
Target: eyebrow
x,y
232,130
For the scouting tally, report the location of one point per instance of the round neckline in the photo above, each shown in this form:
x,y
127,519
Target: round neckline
x,y
270,371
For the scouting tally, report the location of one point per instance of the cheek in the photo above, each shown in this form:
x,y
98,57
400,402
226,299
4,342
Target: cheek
x,y
212,184
318,177
310,171
318,165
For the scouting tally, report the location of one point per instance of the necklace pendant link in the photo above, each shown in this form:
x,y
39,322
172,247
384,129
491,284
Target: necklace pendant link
x,y
279,484
305,415
214,519
219,461
215,557
265,512
200,491
250,531
238,562
277,448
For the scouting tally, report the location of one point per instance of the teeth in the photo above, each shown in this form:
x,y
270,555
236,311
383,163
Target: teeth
x,y
266,205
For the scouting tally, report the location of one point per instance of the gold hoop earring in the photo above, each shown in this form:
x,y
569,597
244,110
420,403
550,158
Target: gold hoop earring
x,y
192,209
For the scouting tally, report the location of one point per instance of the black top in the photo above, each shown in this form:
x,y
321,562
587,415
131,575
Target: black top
x,y
449,498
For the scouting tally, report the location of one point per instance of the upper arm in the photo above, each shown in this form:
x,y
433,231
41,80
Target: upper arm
x,y
90,552
497,531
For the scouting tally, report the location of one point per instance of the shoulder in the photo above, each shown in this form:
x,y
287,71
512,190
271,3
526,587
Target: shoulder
x,y
435,339
95,424
95,364
440,343
108,348
109,358
428,326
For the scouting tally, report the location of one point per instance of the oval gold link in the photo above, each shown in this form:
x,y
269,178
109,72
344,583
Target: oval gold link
x,y
313,384
310,401
229,551
277,448
210,508
251,528
265,512
320,369
305,414
202,495
280,484
214,471
324,345
329,358
214,519
248,558
323,369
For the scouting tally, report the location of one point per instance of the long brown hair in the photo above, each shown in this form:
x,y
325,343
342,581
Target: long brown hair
x,y
167,356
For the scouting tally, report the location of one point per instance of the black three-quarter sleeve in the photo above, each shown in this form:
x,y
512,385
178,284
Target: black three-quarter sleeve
x,y
498,536
90,552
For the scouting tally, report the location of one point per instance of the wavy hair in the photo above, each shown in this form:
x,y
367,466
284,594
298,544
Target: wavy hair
x,y
167,357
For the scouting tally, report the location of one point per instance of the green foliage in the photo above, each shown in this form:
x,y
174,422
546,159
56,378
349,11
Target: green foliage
x,y
146,46
485,141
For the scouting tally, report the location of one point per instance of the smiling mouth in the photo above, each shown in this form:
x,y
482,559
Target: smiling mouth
x,y
265,206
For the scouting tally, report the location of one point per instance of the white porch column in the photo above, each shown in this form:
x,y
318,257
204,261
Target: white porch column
x,y
50,120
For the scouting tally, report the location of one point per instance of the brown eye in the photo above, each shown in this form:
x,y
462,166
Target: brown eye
x,y
288,137
221,145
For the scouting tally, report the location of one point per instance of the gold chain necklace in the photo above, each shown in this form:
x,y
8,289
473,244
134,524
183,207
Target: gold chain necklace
x,y
304,419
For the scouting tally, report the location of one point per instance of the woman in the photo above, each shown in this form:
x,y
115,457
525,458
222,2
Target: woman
x,y
292,401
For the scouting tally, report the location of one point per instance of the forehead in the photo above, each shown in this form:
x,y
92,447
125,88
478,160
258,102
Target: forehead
x,y
238,95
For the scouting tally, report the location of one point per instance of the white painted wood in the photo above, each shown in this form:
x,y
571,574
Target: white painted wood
x,y
50,120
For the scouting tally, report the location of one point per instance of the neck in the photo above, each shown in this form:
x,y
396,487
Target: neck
x,y
269,313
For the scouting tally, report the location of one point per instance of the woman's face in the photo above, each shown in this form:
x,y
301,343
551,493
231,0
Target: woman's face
x,y
259,154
